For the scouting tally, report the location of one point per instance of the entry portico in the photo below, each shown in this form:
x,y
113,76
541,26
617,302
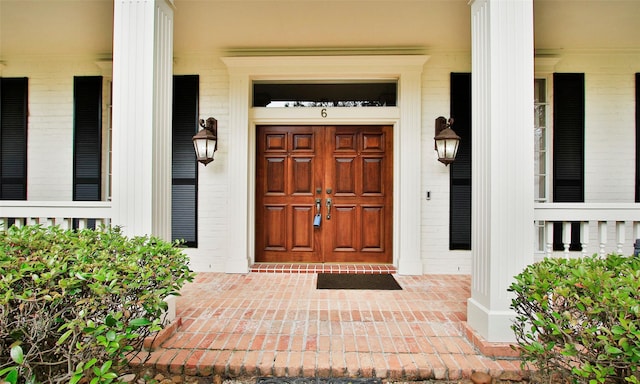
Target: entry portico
x,y
500,206
499,251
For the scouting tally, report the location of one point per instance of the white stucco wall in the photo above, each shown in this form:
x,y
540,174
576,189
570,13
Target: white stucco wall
x,y
609,123
609,132
609,141
435,253
212,179
50,121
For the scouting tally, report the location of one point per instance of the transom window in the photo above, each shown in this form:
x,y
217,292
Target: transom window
x,y
326,94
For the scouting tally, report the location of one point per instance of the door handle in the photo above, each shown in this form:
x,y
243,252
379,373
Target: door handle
x,y
317,218
328,209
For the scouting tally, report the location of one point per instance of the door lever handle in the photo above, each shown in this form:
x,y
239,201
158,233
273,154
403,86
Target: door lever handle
x,y
328,209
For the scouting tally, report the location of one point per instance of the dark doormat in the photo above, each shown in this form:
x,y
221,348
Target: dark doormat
x,y
317,380
382,281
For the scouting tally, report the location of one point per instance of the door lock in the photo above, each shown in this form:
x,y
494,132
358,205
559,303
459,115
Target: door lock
x,y
317,218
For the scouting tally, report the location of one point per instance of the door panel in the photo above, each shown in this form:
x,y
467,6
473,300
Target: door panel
x,y
274,219
300,166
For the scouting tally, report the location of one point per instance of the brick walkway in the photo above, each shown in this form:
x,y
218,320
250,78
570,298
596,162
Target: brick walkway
x,y
279,324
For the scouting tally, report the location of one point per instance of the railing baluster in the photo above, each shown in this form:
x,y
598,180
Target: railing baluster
x,y
548,238
566,237
602,236
620,236
584,237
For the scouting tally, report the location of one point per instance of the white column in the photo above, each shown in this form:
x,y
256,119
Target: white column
x,y
502,158
142,94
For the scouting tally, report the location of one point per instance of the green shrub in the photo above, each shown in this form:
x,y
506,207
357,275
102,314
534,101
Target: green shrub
x,y
580,317
75,305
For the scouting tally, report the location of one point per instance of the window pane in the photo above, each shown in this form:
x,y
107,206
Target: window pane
x,y
540,140
369,94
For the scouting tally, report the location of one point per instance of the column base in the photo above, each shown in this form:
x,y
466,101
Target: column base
x,y
410,267
492,326
236,266
492,350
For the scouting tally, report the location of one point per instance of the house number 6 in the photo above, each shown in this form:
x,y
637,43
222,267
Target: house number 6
x,y
323,113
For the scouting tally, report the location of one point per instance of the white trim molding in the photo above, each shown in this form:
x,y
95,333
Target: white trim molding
x,y
405,118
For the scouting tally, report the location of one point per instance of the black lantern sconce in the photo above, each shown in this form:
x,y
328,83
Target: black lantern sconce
x,y
446,141
205,142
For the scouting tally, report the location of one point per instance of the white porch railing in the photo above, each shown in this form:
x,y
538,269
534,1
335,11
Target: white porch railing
x,y
61,213
603,227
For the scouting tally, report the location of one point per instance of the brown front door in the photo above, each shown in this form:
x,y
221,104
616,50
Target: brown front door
x,y
344,174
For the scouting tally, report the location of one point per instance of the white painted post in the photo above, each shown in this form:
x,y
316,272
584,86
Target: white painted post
x,y
620,236
502,157
142,110
602,237
566,237
548,236
584,236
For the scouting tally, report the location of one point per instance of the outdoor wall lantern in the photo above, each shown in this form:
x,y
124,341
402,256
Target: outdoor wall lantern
x,y
446,141
205,142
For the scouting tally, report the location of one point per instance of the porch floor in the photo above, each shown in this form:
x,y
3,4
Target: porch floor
x,y
279,324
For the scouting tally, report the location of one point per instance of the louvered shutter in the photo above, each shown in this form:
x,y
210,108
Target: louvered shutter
x,y
13,138
460,169
184,165
87,138
568,147
637,137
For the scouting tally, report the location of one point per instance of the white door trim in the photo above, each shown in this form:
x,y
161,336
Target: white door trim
x,y
406,121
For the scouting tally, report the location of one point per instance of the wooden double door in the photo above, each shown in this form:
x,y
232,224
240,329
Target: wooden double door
x,y
324,194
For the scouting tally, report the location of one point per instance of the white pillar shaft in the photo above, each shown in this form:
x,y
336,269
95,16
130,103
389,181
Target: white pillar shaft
x,y
142,111
502,158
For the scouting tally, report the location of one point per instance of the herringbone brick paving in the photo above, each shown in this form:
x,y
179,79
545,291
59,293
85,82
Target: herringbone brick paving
x,y
263,324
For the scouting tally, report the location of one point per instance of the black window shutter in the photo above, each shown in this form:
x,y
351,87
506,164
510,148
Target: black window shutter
x,y
460,172
568,147
87,138
184,218
637,137
13,138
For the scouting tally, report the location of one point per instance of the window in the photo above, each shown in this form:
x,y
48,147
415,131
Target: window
x,y
540,140
541,112
184,190
358,94
460,174
13,138
87,138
